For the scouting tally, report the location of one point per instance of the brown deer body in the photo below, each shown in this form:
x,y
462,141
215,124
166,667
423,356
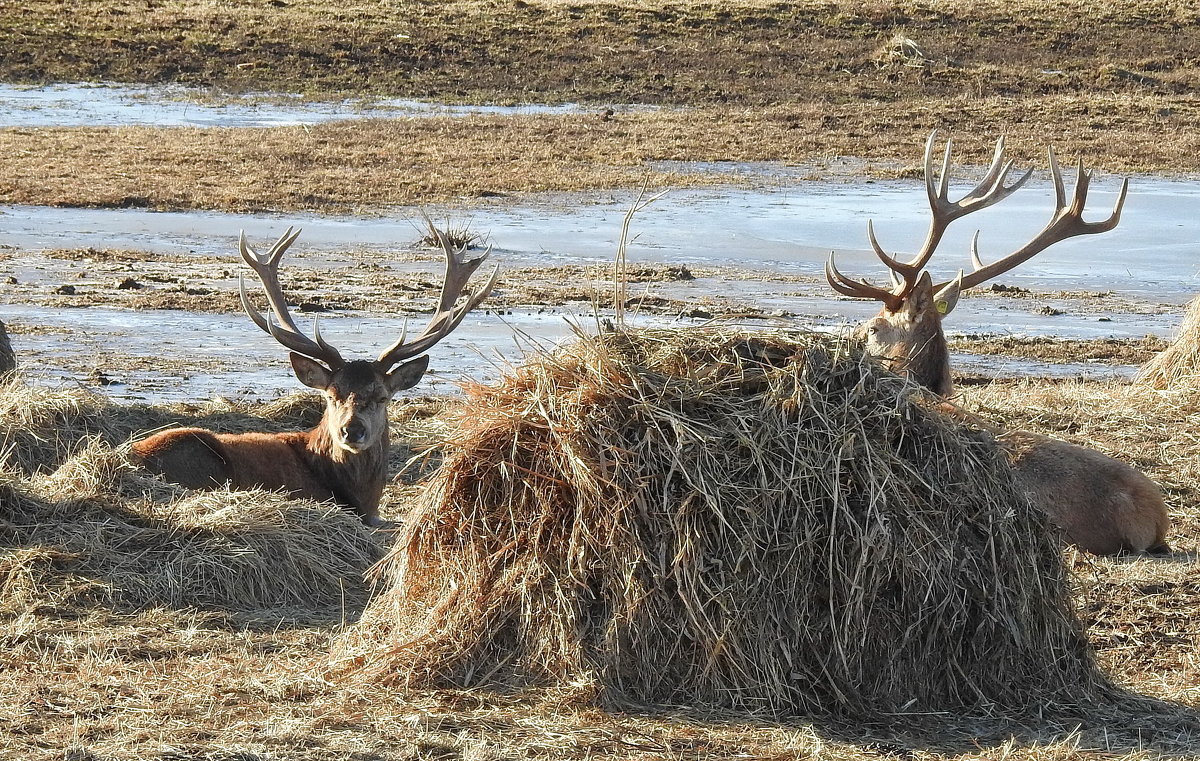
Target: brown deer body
x,y
1101,504
344,458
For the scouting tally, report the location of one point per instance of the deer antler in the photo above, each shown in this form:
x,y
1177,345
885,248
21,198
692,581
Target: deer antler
x,y
860,289
1067,222
990,190
447,317
285,331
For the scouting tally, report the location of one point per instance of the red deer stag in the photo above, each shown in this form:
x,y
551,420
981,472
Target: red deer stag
x,y
1102,505
344,458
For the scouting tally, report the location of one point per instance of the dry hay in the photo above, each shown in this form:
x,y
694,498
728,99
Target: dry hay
x,y
707,518
1179,363
99,531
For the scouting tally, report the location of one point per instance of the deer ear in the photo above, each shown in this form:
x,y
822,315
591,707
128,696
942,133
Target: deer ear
x,y
311,372
407,375
920,296
946,299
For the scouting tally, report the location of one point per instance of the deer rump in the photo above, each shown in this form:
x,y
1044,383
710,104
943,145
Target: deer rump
x,y
1101,504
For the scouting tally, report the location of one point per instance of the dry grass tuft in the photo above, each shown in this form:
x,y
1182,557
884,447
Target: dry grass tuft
x,y
1179,363
80,525
764,524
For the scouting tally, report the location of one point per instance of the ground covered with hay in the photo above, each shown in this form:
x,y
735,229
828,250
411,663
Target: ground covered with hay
x,y
141,622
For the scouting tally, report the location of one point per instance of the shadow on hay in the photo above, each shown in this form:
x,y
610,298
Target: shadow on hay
x,y
757,525
82,526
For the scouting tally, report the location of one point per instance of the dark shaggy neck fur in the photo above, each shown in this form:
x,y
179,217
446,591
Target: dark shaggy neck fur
x,y
355,478
929,363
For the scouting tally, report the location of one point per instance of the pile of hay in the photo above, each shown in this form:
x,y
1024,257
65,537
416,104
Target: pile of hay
x,y
707,518
1179,363
81,525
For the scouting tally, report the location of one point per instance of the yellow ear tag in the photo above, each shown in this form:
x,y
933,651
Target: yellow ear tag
x,y
942,306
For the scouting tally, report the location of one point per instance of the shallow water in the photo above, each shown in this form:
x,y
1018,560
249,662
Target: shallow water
x,y
1153,252
1149,260
87,105
165,355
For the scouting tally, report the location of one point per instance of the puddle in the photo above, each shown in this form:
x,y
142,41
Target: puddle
x,y
86,105
165,355
1152,254
768,247
993,366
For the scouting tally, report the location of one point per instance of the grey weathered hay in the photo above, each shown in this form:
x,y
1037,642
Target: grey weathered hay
x,y
1179,363
98,530
710,518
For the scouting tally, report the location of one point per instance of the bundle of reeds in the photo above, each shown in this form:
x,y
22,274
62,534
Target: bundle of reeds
x,y
81,525
1179,363
769,524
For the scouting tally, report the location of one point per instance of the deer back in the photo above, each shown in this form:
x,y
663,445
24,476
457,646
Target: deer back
x,y
201,459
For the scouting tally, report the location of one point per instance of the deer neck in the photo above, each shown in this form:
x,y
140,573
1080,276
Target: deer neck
x,y
355,478
928,361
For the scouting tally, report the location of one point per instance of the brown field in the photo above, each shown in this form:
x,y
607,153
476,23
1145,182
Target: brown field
x,y
92,671
754,81
365,165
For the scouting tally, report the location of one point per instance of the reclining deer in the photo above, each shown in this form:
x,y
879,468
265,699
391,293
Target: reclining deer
x,y
1102,505
344,458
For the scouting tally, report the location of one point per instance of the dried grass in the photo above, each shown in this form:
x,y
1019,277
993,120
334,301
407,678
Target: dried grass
x,y
708,518
81,525
1179,363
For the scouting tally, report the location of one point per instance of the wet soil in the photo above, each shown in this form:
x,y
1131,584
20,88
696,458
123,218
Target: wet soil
x,y
490,161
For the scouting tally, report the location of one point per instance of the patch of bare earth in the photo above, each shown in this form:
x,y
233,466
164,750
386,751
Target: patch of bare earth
x,y
664,51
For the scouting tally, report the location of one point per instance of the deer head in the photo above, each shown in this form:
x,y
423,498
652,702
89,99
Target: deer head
x,y
357,392
907,332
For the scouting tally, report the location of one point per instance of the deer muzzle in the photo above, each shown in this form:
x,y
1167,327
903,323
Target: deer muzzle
x,y
353,434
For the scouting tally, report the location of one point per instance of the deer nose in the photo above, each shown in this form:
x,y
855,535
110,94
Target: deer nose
x,y
354,433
